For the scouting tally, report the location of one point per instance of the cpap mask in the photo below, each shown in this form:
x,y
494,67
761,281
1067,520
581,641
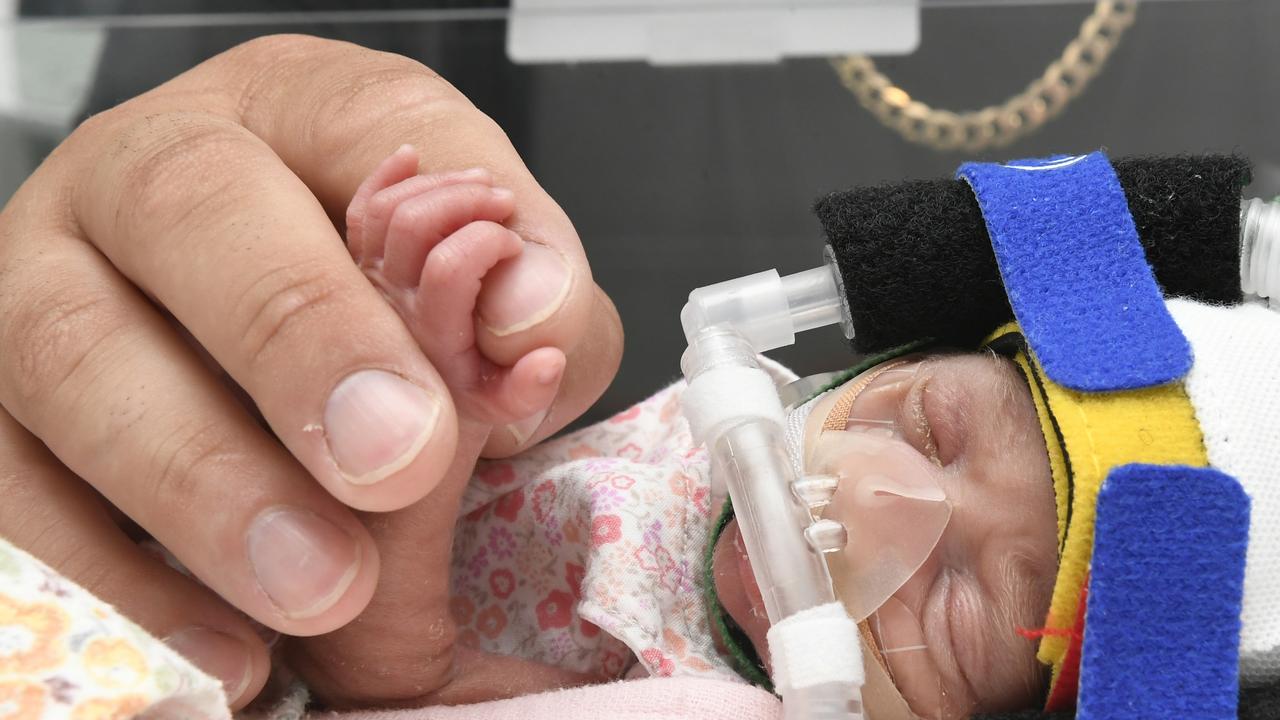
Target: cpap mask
x,y
890,499
836,523
848,490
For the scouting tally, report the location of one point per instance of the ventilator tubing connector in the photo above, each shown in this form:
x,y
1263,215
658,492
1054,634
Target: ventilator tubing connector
x,y
733,406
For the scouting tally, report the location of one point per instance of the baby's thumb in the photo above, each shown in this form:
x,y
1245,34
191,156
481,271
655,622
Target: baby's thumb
x,y
592,363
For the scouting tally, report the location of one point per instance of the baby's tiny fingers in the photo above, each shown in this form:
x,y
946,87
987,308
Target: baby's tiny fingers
x,y
591,363
449,285
53,515
422,222
519,396
400,165
384,209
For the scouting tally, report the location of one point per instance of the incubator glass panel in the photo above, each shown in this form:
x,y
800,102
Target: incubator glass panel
x,y
682,163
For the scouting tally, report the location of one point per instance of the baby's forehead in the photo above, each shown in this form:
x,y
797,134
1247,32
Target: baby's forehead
x,y
980,368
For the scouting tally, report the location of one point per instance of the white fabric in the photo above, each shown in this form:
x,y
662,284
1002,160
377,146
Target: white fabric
x,y
1235,389
815,646
793,434
724,394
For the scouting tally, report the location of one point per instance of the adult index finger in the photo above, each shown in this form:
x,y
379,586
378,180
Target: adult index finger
x,y
200,213
333,111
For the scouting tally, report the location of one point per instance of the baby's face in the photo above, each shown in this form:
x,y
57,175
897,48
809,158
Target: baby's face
x,y
967,422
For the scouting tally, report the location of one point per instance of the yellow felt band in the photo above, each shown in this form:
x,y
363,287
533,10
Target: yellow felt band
x,y
1053,444
1088,434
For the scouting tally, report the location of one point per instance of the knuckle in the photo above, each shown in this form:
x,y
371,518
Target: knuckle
x,y
22,485
277,309
193,454
384,94
383,206
97,130
55,336
446,263
191,154
42,529
418,217
390,81
93,570
276,45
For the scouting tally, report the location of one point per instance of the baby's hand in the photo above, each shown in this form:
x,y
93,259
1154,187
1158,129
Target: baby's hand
x,y
428,241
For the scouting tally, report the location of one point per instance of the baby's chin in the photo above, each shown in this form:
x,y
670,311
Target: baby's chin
x,y
737,590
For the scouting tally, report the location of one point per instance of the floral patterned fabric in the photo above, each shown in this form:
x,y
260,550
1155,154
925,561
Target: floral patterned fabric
x,y
585,552
65,654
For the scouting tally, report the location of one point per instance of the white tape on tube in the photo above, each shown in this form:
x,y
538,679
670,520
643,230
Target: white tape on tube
x,y
816,646
728,394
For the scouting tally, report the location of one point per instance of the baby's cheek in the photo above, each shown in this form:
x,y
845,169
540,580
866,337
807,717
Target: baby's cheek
x,y
997,661
967,619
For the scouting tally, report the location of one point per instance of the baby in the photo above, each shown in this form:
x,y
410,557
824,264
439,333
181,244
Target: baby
x,y
599,552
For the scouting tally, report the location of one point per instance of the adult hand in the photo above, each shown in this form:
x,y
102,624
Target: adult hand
x,y
188,236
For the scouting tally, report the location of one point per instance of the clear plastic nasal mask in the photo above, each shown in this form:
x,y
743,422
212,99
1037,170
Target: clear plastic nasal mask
x,y
888,497
886,494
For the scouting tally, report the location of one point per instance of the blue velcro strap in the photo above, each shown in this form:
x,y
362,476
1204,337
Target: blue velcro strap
x,y
1162,629
1076,274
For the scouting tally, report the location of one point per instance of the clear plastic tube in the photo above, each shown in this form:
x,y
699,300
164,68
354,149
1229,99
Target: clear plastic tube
x,y
749,454
1260,248
768,309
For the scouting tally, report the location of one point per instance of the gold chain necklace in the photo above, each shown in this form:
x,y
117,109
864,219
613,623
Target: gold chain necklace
x,y
1001,124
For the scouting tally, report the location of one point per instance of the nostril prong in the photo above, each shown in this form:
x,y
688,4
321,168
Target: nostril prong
x,y
826,536
815,490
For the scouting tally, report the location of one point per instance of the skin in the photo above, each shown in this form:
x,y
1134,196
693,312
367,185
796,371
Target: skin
x,y
992,571
178,312
430,244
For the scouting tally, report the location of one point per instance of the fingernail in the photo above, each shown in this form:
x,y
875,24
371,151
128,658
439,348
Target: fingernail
x,y
522,430
503,194
303,562
530,290
376,423
549,376
218,654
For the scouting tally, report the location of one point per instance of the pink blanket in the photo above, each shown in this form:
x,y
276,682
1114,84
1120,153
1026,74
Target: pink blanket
x,y
648,699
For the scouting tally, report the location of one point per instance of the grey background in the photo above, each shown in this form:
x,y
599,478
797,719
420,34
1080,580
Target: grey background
x,y
681,177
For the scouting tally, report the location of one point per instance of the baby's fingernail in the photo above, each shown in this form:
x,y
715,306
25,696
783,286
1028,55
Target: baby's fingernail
x,y
530,291
302,561
218,654
549,376
524,429
376,423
